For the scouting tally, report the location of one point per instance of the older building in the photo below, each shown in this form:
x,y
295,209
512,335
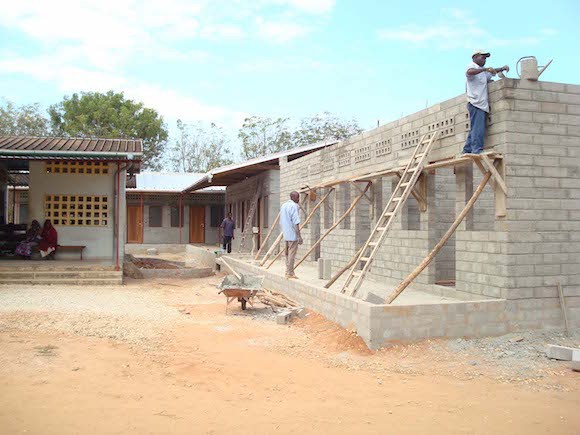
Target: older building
x,y
159,212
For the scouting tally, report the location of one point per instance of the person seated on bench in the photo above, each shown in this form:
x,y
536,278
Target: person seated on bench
x,y
49,241
25,247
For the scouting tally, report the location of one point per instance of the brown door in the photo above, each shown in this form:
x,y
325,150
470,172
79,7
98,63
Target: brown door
x,y
134,224
196,224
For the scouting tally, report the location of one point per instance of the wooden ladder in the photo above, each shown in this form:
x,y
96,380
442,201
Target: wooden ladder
x,y
250,218
400,194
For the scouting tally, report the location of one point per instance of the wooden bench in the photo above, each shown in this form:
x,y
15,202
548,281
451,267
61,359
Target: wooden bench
x,y
65,248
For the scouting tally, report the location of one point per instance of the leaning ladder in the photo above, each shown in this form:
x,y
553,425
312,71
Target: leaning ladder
x,y
250,218
404,188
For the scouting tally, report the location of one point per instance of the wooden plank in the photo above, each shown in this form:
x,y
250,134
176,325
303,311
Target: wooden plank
x,y
327,232
563,307
407,281
496,175
500,198
343,269
419,192
360,190
226,264
270,231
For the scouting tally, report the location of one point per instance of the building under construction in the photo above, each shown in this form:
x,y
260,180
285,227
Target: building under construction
x,y
406,239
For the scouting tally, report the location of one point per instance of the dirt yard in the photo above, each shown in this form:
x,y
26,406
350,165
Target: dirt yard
x,y
163,357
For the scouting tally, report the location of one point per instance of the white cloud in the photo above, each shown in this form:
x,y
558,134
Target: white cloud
x,y
310,6
280,31
459,31
84,45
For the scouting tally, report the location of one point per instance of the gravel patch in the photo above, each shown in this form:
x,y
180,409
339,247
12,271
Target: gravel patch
x,y
108,312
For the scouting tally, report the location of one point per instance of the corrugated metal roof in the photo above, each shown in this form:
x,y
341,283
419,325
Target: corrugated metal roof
x,y
167,182
251,167
27,144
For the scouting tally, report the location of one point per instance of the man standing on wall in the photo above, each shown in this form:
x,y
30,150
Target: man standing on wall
x,y
290,225
228,226
478,100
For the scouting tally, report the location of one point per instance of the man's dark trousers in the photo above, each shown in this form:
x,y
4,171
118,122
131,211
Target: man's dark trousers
x,y
474,142
228,244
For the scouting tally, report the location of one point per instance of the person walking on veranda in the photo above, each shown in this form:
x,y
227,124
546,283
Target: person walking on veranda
x,y
290,225
228,226
477,78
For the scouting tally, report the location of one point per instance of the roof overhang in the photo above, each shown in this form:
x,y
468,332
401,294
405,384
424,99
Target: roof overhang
x,y
232,174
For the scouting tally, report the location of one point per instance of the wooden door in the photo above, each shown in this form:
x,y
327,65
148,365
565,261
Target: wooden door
x,y
134,224
196,224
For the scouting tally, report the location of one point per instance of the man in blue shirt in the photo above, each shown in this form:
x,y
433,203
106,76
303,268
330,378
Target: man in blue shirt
x,y
290,226
477,77
228,226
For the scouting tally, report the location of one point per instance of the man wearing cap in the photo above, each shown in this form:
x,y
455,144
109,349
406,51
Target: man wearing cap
x,y
478,101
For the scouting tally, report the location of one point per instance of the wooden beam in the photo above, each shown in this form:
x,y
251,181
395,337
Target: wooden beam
x,y
419,191
226,264
443,163
360,190
270,231
407,281
327,232
316,207
496,175
500,198
344,268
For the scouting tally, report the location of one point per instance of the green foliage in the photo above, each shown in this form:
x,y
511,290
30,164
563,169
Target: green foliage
x,y
261,136
324,127
26,120
200,148
110,115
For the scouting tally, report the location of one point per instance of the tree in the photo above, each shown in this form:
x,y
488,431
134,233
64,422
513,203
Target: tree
x,y
26,120
323,127
110,115
199,149
261,136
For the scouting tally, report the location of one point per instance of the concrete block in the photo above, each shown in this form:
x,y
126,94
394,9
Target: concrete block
x,y
561,353
324,268
284,317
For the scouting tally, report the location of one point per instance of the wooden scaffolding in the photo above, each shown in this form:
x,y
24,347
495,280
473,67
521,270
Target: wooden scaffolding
x,y
412,182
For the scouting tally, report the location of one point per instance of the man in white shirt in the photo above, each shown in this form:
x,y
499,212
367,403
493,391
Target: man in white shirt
x,y
290,226
478,100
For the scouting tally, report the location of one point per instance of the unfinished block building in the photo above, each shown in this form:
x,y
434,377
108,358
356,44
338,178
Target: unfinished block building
x,y
500,271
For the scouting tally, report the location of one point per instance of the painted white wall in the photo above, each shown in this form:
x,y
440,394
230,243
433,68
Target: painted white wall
x,y
168,234
99,241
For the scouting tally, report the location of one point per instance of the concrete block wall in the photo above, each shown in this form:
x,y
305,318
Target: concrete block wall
x,y
444,202
536,126
244,192
543,210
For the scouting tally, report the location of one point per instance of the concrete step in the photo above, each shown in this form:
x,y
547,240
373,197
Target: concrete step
x,y
63,281
61,274
52,267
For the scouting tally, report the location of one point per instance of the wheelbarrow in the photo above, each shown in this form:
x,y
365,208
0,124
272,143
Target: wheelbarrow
x,y
244,289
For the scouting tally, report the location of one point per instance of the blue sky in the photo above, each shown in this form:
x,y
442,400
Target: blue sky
x,y
220,61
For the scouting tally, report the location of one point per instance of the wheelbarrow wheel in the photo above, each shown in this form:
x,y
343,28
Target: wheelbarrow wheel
x,y
243,304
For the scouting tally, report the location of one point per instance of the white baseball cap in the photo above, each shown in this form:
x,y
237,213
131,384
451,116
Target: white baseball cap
x,y
480,51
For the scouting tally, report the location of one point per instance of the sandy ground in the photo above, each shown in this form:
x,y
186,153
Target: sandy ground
x,y
163,357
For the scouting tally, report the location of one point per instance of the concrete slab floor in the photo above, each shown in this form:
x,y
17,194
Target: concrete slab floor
x,y
308,272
